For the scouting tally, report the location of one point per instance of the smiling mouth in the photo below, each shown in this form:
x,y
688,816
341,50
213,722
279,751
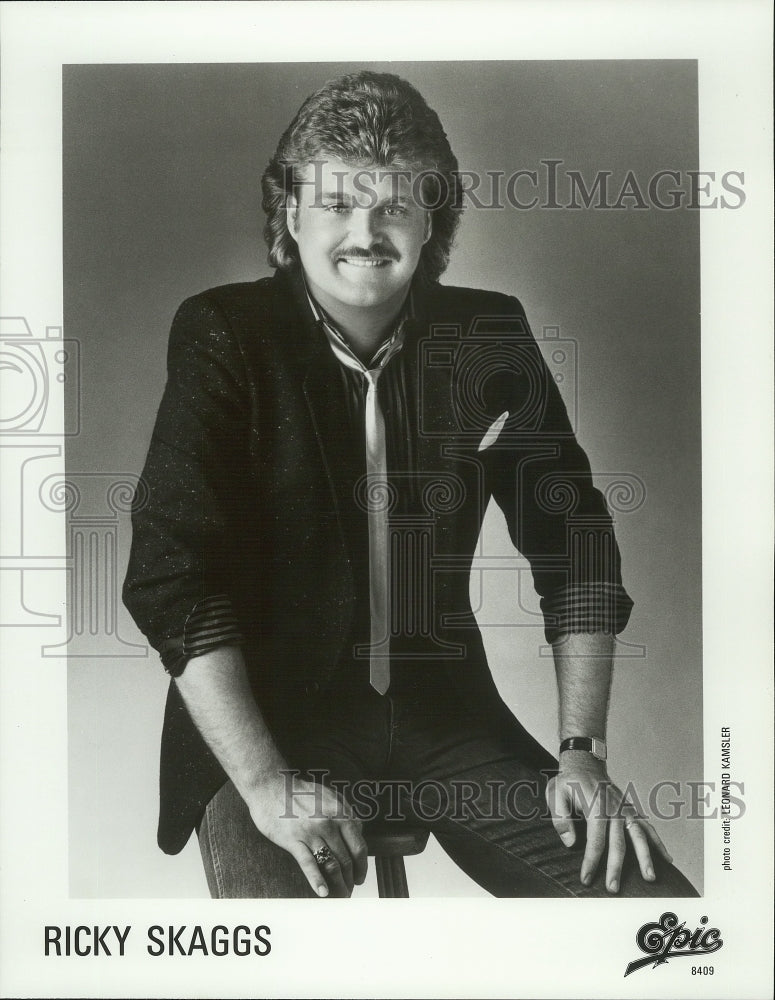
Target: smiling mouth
x,y
365,262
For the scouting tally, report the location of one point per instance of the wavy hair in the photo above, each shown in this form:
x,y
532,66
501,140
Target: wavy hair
x,y
367,119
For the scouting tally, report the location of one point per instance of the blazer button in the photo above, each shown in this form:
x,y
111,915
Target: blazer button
x,y
312,688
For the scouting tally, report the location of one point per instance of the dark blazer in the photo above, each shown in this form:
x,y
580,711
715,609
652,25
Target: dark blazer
x,y
239,497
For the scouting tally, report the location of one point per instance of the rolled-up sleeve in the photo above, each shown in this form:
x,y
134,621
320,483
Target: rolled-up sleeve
x,y
541,479
177,586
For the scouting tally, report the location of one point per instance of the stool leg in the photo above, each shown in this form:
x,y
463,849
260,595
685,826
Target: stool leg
x,y
391,878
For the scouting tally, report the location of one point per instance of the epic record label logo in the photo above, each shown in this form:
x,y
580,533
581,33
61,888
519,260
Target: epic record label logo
x,y
667,939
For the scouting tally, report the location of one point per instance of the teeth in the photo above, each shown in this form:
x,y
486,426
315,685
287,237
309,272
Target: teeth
x,y
360,262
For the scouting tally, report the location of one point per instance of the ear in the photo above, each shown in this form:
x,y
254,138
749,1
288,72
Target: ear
x,y
292,215
428,227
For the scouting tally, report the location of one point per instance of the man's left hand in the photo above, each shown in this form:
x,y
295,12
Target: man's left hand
x,y
582,787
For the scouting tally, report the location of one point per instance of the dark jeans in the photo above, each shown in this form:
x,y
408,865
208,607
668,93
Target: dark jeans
x,y
447,753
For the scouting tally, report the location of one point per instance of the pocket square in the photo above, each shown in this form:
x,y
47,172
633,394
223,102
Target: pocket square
x,y
491,435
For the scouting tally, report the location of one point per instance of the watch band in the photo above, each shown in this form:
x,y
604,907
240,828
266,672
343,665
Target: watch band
x,y
591,744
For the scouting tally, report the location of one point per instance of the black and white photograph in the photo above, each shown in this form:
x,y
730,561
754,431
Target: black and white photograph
x,y
385,440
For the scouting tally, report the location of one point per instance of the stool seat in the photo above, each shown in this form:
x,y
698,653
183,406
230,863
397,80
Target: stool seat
x,y
398,840
389,843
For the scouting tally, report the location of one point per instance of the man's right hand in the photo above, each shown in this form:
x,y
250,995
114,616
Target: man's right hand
x,y
215,688
302,817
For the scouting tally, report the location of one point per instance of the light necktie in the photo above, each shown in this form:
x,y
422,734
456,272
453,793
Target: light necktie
x,y
377,501
379,541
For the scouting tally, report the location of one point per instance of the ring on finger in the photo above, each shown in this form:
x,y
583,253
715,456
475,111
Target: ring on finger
x,y
323,855
632,821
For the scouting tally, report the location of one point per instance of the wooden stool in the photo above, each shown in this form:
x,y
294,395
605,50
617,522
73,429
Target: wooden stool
x,y
389,844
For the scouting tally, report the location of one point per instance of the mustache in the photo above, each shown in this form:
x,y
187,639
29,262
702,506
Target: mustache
x,y
380,251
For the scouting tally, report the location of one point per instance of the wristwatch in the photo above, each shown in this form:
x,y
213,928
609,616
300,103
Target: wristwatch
x,y
591,744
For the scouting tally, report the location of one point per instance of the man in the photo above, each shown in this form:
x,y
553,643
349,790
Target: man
x,y
324,453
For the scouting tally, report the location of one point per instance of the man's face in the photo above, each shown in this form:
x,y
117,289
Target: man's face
x,y
359,232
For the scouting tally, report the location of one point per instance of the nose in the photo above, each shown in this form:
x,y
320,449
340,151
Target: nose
x,y
364,227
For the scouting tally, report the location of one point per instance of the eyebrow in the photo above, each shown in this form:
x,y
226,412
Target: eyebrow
x,y
346,198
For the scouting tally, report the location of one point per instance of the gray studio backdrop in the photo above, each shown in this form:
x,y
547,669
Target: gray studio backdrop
x,y
161,199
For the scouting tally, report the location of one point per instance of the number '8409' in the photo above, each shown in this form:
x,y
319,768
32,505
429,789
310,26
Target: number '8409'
x,y
702,970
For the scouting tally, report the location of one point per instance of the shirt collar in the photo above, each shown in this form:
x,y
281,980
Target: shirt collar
x,y
390,346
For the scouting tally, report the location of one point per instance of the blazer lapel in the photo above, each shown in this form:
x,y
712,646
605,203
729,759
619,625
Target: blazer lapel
x,y
318,377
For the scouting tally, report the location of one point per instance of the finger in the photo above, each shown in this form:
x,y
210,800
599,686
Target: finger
x,y
616,850
596,831
642,853
303,857
359,852
656,840
342,854
331,870
561,810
